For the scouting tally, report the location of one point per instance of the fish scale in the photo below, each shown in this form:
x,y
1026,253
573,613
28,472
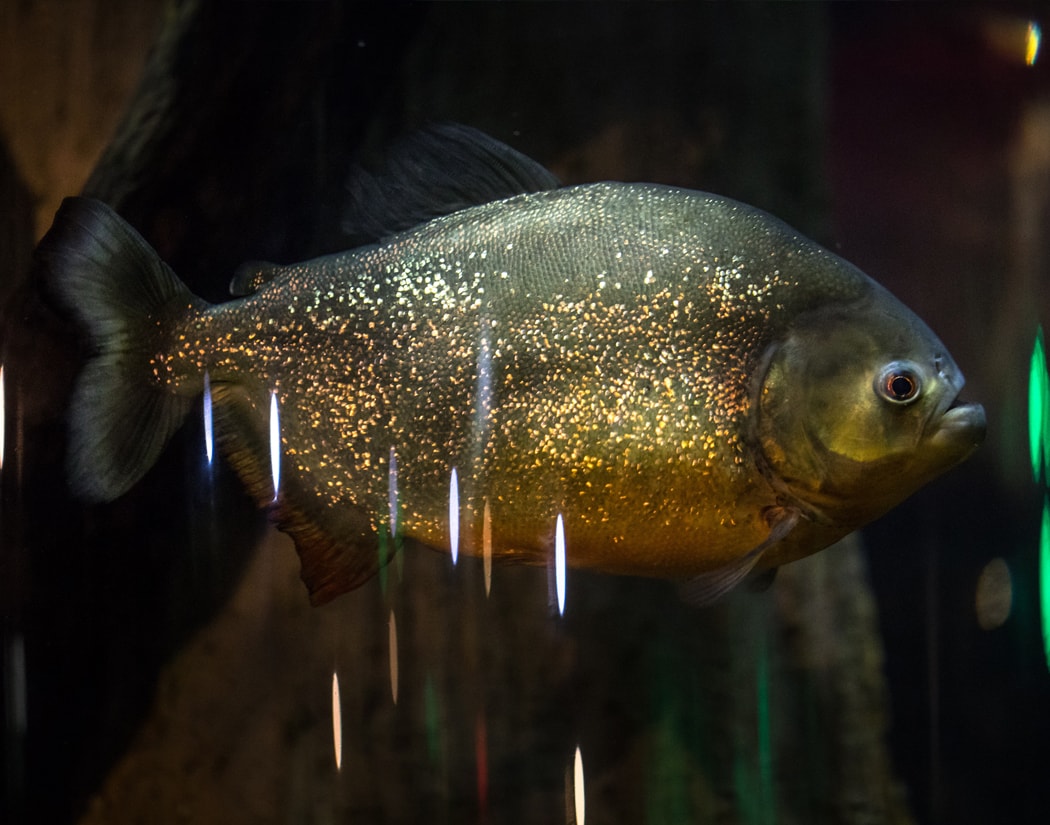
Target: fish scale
x,y
575,425
645,361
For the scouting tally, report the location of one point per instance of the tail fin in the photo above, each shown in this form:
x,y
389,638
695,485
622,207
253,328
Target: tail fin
x,y
115,284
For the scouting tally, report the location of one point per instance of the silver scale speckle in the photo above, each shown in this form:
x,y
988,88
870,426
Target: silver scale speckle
x,y
622,348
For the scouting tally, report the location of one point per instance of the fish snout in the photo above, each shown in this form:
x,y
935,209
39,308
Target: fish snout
x,y
961,428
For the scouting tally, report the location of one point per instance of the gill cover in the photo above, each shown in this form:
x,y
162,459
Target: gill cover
x,y
846,407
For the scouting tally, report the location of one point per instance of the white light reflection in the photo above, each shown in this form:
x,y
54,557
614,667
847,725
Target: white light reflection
x,y
453,515
275,444
481,758
209,444
484,387
15,676
559,563
393,656
486,547
3,417
392,494
994,596
579,797
337,722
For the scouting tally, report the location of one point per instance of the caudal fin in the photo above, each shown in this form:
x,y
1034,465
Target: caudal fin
x,y
116,285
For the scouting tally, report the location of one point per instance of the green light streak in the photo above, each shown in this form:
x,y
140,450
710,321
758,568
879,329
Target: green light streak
x,y
765,739
753,762
1044,578
383,550
667,771
1038,395
433,724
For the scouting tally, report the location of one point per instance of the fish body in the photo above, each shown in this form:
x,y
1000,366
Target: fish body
x,y
697,390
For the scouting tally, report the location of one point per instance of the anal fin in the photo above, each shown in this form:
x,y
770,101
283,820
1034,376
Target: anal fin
x,y
338,549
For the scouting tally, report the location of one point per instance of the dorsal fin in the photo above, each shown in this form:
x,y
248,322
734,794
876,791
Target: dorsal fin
x,y
437,171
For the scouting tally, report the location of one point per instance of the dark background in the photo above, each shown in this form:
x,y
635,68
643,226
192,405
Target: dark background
x,y
908,138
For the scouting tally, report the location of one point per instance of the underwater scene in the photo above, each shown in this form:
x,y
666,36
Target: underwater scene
x,y
524,413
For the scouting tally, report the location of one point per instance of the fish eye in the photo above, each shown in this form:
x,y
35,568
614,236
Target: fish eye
x,y
899,383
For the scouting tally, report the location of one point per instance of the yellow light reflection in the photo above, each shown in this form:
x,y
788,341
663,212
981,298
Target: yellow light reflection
x,y
1012,38
392,639
1035,35
453,515
486,547
994,597
337,722
579,797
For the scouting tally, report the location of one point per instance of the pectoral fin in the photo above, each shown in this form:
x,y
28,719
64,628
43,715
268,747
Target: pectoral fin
x,y
707,588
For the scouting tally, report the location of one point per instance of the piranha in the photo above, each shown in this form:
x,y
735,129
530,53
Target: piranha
x,y
696,389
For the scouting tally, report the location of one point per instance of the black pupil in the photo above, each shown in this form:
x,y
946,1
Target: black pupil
x,y
901,386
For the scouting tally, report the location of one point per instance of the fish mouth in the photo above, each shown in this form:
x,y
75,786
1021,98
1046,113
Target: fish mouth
x,y
961,427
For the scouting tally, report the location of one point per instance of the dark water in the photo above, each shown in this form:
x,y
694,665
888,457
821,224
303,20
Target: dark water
x,y
160,660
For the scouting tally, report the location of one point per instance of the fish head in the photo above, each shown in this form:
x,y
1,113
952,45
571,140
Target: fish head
x,y
857,406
